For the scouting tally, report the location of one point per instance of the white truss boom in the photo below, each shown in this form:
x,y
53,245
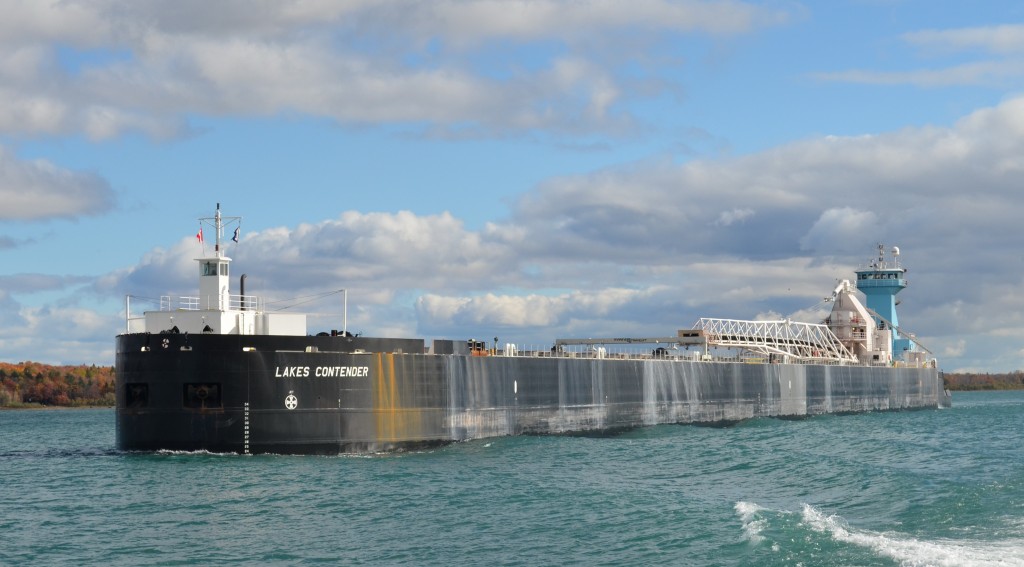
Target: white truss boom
x,y
804,341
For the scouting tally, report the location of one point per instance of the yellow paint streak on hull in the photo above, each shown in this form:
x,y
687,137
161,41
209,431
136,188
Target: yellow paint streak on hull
x,y
394,422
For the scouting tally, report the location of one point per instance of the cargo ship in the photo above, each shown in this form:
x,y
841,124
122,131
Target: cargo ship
x,y
220,372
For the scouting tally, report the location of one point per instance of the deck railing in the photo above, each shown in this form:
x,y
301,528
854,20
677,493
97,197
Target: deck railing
x,y
210,302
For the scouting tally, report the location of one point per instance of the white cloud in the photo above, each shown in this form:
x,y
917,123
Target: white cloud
x,y
956,349
490,309
57,333
834,195
842,229
374,250
538,319
160,272
726,218
998,61
474,22
1007,38
145,66
80,24
38,189
974,73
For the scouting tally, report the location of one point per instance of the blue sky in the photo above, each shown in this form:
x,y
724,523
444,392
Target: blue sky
x,y
527,170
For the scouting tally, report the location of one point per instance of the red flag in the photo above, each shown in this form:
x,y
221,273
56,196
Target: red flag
x,y
199,235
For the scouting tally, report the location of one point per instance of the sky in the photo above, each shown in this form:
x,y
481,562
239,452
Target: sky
x,y
527,169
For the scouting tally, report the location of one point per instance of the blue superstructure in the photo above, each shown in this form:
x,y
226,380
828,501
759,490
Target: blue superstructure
x,y
880,282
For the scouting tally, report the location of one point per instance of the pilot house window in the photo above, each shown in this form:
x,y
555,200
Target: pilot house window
x,y
210,268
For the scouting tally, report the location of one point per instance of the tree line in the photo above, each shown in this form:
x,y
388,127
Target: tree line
x,y
983,381
31,384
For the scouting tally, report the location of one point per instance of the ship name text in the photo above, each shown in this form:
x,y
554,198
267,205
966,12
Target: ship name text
x,y
321,371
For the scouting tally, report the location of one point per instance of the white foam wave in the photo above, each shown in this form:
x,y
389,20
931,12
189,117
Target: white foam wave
x,y
753,522
912,552
198,452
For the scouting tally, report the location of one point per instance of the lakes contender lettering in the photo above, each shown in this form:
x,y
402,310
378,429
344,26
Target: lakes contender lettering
x,y
322,371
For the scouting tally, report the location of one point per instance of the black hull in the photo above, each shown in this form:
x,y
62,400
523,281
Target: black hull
x,y
331,395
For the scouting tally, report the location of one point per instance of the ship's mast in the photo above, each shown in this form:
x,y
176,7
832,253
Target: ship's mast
x,y
220,229
214,291
219,223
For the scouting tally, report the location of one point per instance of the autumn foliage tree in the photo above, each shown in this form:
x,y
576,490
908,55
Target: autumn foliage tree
x,y
35,383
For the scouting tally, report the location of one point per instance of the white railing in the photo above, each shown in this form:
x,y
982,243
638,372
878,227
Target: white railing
x,y
244,302
211,303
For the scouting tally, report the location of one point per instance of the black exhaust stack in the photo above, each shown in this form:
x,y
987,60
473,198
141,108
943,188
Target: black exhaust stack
x,y
241,290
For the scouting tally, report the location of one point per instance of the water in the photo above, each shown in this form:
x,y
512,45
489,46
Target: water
x,y
933,487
